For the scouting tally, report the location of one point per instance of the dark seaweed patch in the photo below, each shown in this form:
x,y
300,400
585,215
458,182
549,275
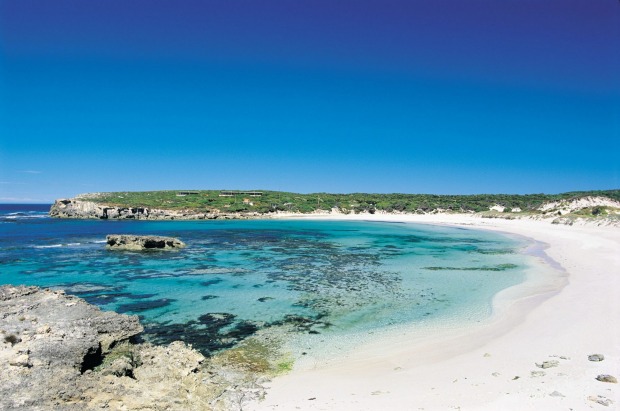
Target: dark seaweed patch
x,y
304,324
141,296
500,267
494,251
211,282
210,333
144,305
209,297
103,299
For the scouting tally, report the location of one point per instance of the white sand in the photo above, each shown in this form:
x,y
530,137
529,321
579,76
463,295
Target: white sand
x,y
490,366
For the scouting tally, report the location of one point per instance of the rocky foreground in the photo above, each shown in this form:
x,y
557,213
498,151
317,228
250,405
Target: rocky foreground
x,y
58,352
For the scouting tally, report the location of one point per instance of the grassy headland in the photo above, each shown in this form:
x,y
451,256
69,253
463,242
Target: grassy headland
x,y
262,201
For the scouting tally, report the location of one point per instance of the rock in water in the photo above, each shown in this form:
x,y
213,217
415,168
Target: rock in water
x,y
142,242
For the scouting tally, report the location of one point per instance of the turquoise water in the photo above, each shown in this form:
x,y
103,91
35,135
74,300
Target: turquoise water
x,y
326,278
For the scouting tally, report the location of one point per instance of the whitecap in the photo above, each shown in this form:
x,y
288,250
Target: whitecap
x,y
24,216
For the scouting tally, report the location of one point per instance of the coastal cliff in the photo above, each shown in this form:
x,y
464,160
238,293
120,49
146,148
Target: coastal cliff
x,y
84,209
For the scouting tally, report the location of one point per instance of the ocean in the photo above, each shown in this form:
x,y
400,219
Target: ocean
x,y
322,279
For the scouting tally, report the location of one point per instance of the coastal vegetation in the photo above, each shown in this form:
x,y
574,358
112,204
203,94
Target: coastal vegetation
x,y
261,201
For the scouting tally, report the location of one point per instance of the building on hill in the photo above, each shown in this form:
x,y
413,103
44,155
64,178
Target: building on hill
x,y
247,193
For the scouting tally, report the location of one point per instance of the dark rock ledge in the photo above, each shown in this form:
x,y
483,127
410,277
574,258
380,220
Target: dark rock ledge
x,y
58,352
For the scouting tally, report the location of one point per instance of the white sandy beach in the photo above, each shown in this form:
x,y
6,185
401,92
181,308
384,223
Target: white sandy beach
x,y
491,366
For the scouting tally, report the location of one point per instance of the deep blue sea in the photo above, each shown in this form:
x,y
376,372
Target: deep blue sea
x,y
327,278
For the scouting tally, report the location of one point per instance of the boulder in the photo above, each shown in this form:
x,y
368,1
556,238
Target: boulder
x,y
596,357
607,378
548,364
142,242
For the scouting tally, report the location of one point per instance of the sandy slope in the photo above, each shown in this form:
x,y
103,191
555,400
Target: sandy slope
x,y
491,367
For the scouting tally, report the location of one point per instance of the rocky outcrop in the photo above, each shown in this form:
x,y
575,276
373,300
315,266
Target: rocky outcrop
x,y
84,209
48,340
142,242
58,352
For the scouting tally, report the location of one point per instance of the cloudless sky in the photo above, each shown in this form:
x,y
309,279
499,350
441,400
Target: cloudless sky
x,y
441,96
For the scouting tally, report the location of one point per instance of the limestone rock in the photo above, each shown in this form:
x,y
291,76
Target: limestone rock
x,y
85,208
58,352
120,367
139,242
79,335
548,364
596,357
599,399
21,360
607,378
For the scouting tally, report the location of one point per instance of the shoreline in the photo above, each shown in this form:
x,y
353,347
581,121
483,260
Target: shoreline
x,y
491,366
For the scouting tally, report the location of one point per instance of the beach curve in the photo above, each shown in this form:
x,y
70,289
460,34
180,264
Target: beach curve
x,y
498,364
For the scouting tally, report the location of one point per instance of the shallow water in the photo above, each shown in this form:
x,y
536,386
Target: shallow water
x,y
323,278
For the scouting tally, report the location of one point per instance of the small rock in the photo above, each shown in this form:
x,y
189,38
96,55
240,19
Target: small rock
x,y
486,354
538,373
596,357
607,378
556,394
548,364
22,360
599,399
120,367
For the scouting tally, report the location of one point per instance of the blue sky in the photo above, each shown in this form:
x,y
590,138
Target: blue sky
x,y
443,96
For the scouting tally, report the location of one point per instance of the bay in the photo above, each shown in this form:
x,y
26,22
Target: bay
x,y
330,279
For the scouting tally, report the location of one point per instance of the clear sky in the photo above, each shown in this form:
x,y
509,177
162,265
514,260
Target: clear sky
x,y
434,96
